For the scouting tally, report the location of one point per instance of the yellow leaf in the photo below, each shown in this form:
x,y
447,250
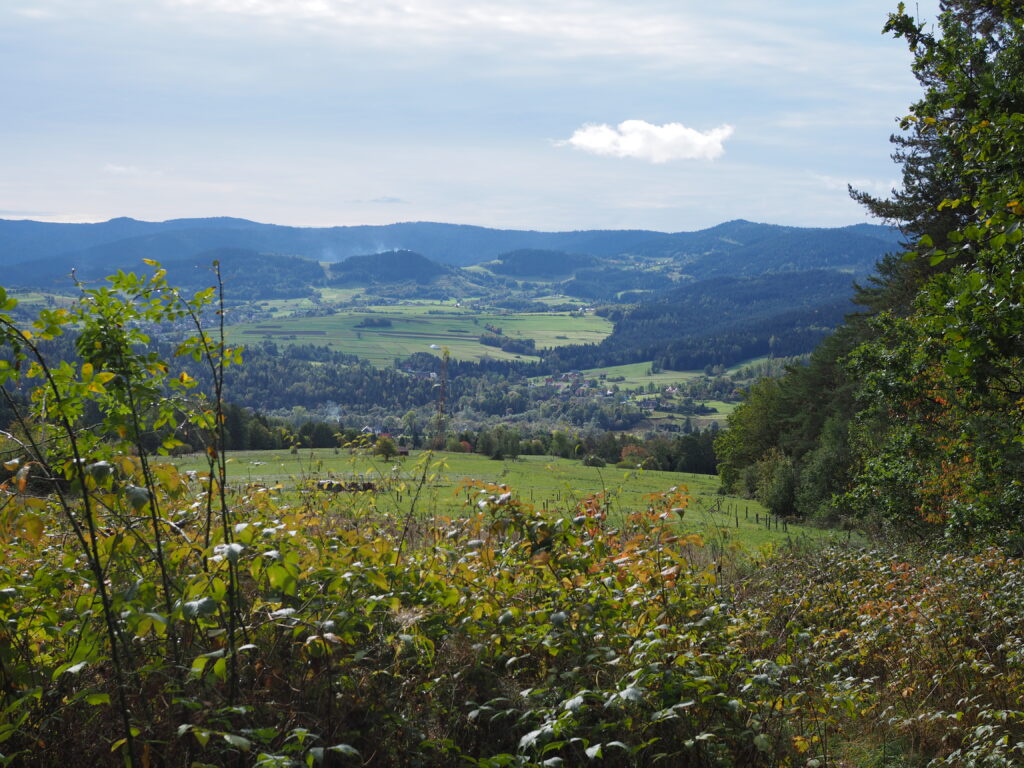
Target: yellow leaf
x,y
151,262
32,528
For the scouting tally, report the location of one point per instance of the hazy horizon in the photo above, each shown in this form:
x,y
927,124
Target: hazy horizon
x,y
443,223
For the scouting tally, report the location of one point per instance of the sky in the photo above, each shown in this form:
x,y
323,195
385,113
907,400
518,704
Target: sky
x,y
671,115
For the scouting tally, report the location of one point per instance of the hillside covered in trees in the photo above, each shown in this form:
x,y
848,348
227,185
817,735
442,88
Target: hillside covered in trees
x,y
720,322
917,424
389,267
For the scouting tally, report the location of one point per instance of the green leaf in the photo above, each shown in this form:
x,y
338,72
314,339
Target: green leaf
x,y
232,552
71,669
138,497
204,606
632,693
220,669
282,579
345,749
199,662
239,742
95,699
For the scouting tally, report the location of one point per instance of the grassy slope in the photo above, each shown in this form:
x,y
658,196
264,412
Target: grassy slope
x,y
542,480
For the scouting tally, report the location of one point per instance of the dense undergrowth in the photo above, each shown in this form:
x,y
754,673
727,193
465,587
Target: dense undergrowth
x,y
507,637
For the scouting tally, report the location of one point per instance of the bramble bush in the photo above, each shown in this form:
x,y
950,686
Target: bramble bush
x,y
928,647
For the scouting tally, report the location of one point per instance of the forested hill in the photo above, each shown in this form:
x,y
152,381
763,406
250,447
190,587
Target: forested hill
x,y
388,267
248,273
742,249
528,262
720,321
53,249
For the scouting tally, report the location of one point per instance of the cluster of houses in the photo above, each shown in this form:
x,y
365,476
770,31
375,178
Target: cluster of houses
x,y
576,384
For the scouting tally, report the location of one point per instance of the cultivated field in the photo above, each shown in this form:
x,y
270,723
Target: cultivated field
x,y
428,484
423,328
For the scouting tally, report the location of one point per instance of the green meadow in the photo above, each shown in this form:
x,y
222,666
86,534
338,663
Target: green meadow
x,y
438,483
33,301
423,328
639,375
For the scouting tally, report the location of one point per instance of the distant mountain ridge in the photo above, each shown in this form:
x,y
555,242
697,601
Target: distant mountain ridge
x,y
49,251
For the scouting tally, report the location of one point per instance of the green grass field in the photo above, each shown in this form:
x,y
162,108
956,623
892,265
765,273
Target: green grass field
x,y
423,328
35,300
637,375
721,406
557,484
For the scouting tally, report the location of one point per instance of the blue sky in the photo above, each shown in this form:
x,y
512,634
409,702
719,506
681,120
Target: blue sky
x,y
578,114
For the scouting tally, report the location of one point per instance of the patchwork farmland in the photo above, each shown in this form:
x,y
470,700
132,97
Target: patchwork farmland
x,y
382,333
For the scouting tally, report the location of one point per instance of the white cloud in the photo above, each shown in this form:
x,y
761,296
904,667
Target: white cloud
x,y
654,143
122,170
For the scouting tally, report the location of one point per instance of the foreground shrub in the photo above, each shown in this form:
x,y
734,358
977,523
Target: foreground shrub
x,y
932,644
509,636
